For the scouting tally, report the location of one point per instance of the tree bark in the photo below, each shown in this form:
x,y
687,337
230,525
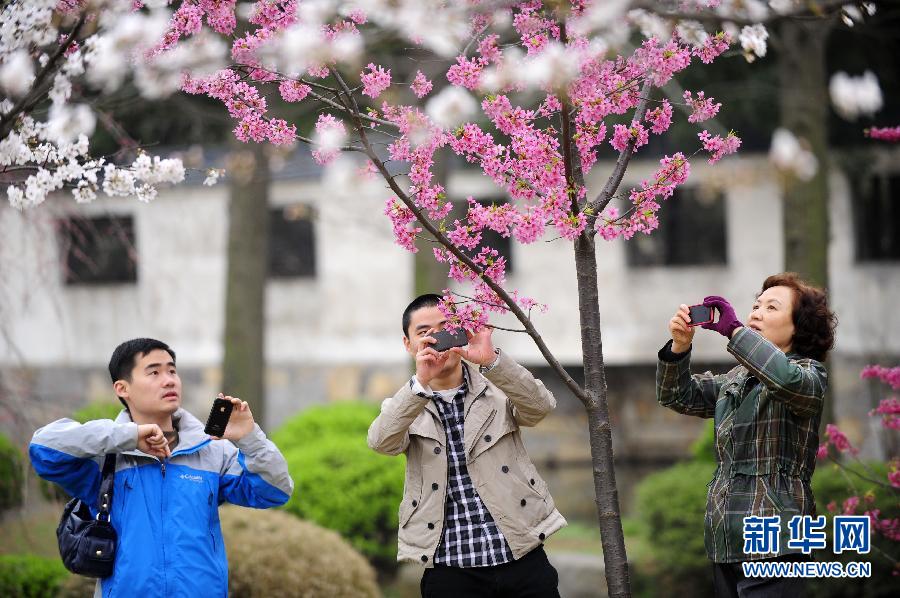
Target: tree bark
x,y
606,495
804,112
243,366
803,99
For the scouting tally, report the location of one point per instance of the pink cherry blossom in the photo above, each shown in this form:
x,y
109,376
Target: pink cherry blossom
x,y
889,134
293,91
719,147
421,86
375,81
839,439
702,108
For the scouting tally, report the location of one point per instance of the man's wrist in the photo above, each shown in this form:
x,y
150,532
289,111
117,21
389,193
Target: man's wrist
x,y
485,368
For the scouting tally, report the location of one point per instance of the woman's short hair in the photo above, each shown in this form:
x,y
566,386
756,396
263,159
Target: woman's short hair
x,y
814,323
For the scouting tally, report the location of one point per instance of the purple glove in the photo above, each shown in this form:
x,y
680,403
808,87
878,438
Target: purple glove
x,y
727,321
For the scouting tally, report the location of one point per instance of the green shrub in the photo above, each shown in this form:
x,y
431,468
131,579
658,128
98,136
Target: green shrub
x,y
29,576
98,410
704,448
671,507
340,482
273,554
12,477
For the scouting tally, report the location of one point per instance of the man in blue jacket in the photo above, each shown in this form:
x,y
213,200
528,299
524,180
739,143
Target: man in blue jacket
x,y
170,476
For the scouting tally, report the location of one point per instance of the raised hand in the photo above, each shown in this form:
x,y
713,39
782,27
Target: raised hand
x,y
682,334
480,349
429,362
241,421
727,322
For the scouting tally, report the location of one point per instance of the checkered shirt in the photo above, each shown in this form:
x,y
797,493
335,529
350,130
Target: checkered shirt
x,y
471,538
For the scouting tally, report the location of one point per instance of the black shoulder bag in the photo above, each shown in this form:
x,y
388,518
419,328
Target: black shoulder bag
x,y
87,545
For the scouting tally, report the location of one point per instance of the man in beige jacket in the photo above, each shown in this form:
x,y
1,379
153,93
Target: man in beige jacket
x,y
475,512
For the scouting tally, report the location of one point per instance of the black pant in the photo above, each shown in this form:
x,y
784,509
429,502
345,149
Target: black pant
x,y
531,576
729,581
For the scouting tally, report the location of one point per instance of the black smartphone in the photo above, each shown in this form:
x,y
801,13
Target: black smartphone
x,y
218,417
446,340
700,314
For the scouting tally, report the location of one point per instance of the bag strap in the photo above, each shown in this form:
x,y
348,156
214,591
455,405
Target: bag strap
x,y
106,487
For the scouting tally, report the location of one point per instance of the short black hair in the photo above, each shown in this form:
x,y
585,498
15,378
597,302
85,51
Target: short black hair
x,y
122,361
426,300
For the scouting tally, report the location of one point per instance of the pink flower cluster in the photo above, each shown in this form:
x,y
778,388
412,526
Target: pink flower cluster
x,y
188,20
421,86
702,108
622,135
402,219
890,376
660,118
534,30
719,147
329,132
838,439
244,104
889,410
521,151
712,47
293,91
375,81
889,134
466,73
641,216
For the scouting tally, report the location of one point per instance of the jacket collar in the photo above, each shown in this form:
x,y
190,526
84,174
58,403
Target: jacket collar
x,y
191,436
476,385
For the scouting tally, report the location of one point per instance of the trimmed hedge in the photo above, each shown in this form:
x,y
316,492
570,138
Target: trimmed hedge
x,y
340,482
29,576
98,410
272,554
670,509
12,477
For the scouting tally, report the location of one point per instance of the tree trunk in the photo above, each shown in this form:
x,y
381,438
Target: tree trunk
x,y
243,366
804,112
605,492
803,99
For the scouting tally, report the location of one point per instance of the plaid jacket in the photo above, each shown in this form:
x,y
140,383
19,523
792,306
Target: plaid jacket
x,y
767,412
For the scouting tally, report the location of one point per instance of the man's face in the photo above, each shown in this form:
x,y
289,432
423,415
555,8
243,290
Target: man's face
x,y
155,388
423,322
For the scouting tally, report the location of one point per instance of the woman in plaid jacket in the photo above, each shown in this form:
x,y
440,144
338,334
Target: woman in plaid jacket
x,y
766,410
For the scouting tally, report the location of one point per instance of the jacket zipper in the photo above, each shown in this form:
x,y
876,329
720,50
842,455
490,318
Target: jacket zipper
x,y
162,524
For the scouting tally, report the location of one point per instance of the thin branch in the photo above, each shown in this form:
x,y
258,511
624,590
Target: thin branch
x,y
568,152
615,179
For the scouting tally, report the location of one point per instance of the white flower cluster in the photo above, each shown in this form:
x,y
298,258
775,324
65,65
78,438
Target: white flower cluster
x,y
54,154
54,164
855,96
791,156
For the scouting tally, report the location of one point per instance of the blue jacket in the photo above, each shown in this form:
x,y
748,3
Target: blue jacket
x,y
166,512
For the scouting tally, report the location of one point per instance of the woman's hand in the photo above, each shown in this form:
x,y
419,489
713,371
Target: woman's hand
x,y
682,334
727,322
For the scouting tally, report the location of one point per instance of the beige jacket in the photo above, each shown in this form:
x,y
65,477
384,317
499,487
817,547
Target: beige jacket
x,y
496,405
